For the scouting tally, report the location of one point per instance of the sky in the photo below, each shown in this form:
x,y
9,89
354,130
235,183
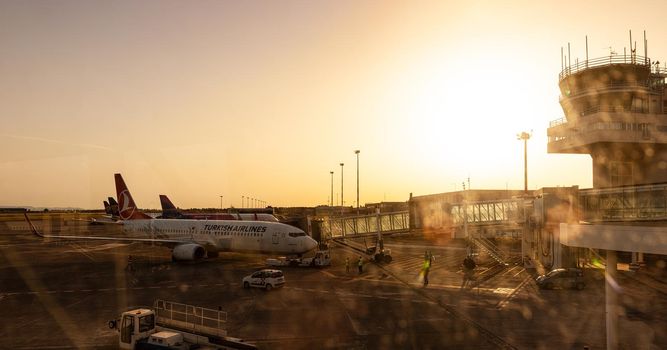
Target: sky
x,y
262,99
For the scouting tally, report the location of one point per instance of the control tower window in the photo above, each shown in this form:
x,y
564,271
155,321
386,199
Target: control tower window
x,y
620,173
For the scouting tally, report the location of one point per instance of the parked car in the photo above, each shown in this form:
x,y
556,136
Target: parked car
x,y
562,278
267,279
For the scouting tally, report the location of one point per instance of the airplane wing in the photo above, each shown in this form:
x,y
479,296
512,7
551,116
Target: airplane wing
x,y
160,241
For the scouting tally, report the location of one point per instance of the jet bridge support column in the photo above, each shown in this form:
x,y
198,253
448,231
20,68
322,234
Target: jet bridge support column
x,y
611,295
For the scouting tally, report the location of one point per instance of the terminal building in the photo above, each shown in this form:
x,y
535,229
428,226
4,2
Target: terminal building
x,y
615,110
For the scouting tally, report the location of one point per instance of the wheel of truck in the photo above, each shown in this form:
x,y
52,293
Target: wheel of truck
x,y
112,324
387,259
268,286
378,257
246,285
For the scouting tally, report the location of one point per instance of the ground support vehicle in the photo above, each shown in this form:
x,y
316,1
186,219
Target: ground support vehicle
x,y
563,278
170,325
322,258
267,279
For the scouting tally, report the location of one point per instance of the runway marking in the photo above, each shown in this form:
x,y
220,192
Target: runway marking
x,y
503,290
510,270
328,273
522,270
503,303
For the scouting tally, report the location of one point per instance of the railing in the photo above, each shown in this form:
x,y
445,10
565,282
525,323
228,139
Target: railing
x,y
365,224
487,212
604,61
194,319
639,131
631,203
614,87
490,248
557,122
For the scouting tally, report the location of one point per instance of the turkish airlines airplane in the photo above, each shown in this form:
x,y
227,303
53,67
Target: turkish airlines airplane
x,y
170,211
197,239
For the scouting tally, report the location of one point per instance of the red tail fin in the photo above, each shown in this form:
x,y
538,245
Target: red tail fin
x,y
127,210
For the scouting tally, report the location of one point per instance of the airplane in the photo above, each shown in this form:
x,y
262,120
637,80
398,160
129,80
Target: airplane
x,y
170,211
108,218
191,240
113,208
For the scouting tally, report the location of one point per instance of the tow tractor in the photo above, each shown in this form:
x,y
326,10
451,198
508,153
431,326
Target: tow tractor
x,y
322,258
170,325
378,252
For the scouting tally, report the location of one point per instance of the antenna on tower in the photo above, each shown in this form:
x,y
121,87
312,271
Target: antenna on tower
x,y
612,52
586,51
645,49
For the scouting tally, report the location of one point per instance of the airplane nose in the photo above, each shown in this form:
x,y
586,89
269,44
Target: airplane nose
x,y
311,243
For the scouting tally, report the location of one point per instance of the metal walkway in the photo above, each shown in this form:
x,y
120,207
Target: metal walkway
x,y
365,224
488,212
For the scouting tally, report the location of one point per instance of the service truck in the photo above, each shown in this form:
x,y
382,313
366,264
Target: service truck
x,y
321,258
170,325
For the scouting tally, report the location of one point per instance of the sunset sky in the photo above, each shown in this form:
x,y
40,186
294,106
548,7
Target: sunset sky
x,y
197,99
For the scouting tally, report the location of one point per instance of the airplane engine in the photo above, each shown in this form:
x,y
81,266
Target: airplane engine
x,y
188,252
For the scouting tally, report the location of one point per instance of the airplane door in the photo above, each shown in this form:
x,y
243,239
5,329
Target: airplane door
x,y
275,238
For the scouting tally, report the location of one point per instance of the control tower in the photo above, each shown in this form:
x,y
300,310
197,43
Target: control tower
x,y
615,110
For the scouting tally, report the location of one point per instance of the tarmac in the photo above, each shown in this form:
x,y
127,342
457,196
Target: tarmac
x,y
59,295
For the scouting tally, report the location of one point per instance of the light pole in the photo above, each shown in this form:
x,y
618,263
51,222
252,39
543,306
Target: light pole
x,y
525,137
242,201
357,153
342,202
332,201
220,202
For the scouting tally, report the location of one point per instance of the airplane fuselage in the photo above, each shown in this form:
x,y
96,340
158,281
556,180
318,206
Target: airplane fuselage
x,y
227,235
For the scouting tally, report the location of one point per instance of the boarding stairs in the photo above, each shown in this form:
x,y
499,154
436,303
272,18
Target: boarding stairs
x,y
487,246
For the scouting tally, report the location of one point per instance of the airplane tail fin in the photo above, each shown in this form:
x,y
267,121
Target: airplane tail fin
x,y
33,229
107,208
167,205
113,205
127,209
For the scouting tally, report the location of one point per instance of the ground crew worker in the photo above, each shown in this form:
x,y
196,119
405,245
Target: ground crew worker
x,y
129,266
347,264
468,271
426,268
360,264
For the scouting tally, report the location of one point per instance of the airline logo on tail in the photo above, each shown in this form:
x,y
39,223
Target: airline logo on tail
x,y
126,210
